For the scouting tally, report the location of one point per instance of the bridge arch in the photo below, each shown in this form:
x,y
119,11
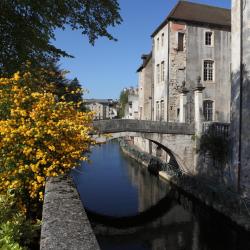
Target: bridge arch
x,y
177,146
175,138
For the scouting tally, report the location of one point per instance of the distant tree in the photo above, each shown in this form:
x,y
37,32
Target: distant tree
x,y
52,78
73,93
27,28
123,100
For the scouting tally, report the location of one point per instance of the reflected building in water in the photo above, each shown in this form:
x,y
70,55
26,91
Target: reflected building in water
x,y
185,224
176,228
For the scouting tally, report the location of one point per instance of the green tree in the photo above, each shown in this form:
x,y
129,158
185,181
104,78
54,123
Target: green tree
x,y
27,27
72,91
123,100
54,79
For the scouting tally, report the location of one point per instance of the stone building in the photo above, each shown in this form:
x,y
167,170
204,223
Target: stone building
x,y
131,109
240,102
193,41
145,89
103,108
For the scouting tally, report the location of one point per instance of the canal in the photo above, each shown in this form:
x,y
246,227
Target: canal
x,y
131,209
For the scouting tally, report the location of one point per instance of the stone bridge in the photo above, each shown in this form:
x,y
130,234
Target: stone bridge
x,y
177,139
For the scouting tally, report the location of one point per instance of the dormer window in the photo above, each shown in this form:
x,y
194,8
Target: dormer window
x,y
209,37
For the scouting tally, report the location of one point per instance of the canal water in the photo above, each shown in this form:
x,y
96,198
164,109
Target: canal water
x,y
130,209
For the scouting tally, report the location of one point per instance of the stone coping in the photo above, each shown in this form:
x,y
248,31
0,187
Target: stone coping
x,y
143,126
65,224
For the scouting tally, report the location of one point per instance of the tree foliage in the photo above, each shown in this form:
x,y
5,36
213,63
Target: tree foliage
x,y
16,232
53,79
123,100
216,145
40,136
27,27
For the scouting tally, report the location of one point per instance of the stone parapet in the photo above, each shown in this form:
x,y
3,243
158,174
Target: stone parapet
x,y
65,224
143,126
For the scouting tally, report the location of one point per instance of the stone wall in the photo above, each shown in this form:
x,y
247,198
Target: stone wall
x,y
160,54
177,68
240,117
65,224
145,90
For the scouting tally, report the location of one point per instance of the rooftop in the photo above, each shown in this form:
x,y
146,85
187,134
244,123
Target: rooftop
x,y
198,13
102,101
146,59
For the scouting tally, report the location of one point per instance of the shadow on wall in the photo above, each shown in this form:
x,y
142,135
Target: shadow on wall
x,y
240,127
213,156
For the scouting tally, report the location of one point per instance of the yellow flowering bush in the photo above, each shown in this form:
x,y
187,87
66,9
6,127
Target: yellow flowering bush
x,y
40,136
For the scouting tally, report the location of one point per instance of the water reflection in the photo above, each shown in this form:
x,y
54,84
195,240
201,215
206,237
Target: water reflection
x,y
115,185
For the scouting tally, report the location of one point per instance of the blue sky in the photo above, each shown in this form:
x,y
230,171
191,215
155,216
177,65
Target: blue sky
x,y
107,67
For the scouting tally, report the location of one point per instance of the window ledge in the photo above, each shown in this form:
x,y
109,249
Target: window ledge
x,y
209,82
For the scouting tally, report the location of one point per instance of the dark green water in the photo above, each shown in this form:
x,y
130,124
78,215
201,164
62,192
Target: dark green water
x,y
113,185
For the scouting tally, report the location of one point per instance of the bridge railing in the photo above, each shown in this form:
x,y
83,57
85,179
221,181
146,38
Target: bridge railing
x,y
143,126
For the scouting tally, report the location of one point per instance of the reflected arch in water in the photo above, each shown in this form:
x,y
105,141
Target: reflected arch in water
x,y
140,219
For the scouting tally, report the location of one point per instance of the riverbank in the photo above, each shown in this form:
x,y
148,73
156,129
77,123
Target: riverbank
x,y
211,194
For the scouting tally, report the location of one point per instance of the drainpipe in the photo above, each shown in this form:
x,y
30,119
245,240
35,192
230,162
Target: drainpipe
x,y
168,71
241,94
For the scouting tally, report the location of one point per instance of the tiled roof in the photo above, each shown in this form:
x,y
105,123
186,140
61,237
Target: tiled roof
x,y
198,13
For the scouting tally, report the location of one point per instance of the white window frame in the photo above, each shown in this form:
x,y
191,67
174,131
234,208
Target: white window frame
x,y
203,71
212,38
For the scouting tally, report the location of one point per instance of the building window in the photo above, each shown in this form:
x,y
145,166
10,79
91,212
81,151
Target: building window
x,y
162,71
140,113
208,71
178,112
209,38
158,72
157,111
162,111
162,39
180,41
158,43
208,110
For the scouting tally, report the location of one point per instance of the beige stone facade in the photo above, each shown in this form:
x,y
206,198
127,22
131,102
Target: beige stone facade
x,y
192,48
145,88
185,48
103,108
132,107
